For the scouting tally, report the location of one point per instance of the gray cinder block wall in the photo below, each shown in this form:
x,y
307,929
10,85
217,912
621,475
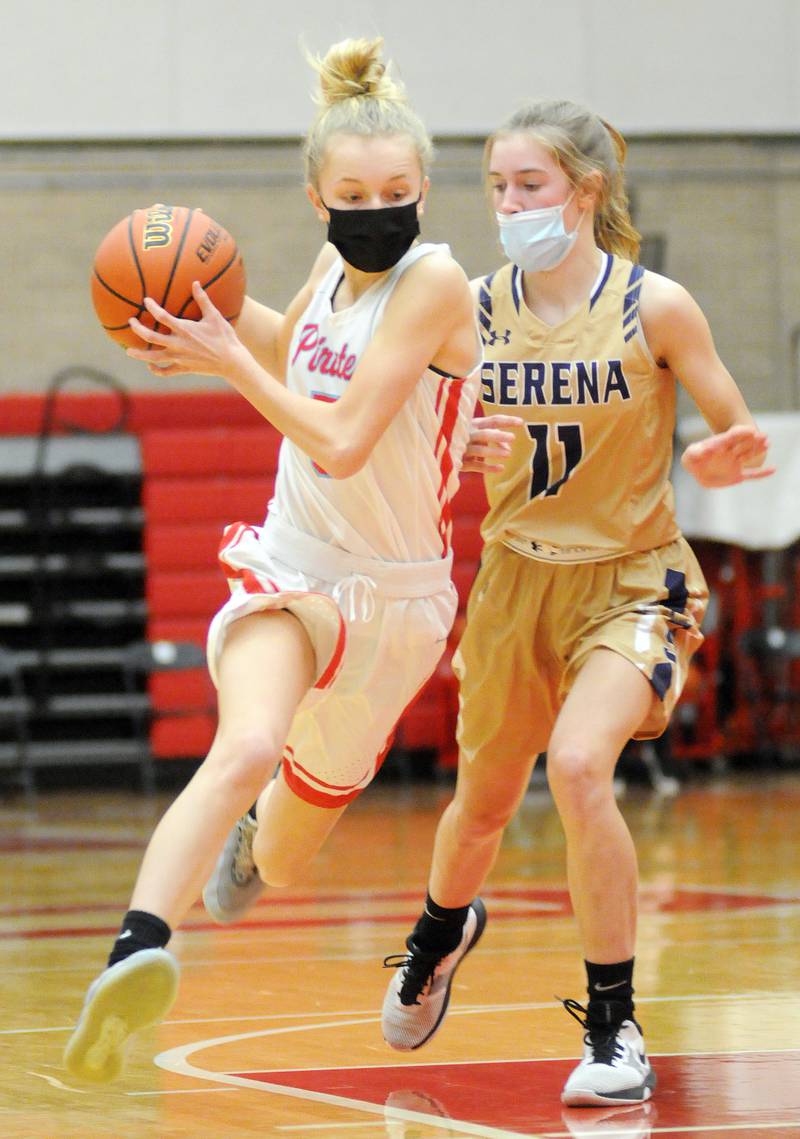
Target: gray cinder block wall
x,y
727,209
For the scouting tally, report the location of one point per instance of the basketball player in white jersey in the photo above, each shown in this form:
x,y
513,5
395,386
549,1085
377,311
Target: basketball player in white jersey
x,y
586,608
342,602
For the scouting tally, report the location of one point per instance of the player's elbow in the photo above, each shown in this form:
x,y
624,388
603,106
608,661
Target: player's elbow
x,y
342,460
346,443
345,463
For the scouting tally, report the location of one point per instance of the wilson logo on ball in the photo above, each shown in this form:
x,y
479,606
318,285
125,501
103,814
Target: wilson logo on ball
x,y
158,252
158,227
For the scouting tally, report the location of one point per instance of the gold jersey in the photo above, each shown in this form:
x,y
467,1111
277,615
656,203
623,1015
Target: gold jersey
x,y
588,476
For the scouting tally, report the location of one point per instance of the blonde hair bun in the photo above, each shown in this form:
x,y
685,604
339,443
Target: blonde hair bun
x,y
351,69
356,95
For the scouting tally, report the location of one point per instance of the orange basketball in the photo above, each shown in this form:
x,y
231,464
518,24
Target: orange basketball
x,y
158,252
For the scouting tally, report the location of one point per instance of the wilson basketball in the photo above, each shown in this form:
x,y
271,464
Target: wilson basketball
x,y
158,252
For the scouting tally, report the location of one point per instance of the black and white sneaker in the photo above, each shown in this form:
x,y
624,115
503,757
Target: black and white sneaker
x,y
419,993
614,1068
234,886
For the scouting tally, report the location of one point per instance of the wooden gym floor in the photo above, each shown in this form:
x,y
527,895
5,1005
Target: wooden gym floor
x,y
276,1030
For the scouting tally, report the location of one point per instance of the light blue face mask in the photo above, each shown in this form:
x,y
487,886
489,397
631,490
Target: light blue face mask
x,y
536,239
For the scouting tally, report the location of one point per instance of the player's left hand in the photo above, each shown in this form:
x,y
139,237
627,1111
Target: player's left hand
x,y
205,347
731,457
489,443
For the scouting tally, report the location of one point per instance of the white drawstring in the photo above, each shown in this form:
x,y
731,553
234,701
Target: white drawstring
x,y
356,588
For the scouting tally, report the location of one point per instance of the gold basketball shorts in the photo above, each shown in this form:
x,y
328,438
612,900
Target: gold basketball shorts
x,y
531,625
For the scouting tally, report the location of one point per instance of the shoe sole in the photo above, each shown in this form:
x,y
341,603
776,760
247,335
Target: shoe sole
x,y
587,1097
125,1000
480,910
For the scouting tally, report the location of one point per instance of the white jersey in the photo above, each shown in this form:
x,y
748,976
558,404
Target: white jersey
x,y
398,506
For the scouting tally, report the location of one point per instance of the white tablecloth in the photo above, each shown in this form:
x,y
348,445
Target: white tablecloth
x,y
763,514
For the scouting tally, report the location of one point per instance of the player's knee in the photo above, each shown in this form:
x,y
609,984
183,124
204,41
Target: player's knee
x,y
246,759
576,774
480,821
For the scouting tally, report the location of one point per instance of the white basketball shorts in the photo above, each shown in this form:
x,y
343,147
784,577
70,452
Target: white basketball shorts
x,y
378,630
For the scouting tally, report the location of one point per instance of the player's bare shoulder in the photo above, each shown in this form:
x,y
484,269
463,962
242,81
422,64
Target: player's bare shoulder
x,y
661,296
431,302
668,310
433,292
439,270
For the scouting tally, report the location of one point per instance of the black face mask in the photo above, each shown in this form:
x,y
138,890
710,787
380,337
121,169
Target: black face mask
x,y
373,240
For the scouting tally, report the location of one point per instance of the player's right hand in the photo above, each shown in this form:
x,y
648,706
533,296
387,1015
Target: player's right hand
x,y
490,441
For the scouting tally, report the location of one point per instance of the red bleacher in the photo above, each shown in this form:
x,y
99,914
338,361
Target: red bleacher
x,y
214,465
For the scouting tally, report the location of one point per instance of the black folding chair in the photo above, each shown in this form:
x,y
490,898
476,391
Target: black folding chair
x,y
14,710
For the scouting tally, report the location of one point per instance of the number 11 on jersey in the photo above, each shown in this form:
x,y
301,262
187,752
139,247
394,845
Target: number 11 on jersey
x,y
570,438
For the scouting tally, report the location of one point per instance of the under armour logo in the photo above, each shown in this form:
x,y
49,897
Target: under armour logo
x,y
495,337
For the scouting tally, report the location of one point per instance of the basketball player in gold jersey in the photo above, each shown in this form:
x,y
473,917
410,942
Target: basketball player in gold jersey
x,y
587,605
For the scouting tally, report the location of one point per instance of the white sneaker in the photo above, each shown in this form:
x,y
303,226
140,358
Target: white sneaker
x,y
234,885
614,1068
130,995
419,993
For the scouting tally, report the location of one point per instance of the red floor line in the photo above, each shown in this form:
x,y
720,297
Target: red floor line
x,y
660,899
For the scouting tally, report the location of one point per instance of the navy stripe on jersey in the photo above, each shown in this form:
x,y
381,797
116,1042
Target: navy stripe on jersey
x,y
630,308
601,284
516,286
485,306
637,272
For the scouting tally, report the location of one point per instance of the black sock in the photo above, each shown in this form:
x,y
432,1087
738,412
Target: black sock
x,y
610,985
139,930
439,929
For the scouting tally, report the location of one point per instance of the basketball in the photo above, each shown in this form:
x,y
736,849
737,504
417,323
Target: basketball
x,y
158,252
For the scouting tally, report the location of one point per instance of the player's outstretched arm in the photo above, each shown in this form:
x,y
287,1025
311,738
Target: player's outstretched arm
x,y
729,457
680,339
